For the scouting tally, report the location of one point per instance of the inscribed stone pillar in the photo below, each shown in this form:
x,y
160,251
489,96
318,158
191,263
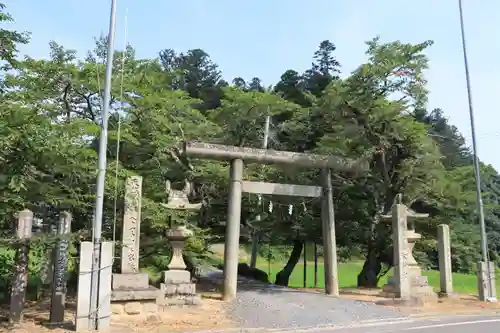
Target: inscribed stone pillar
x,y
399,228
444,249
329,239
231,248
58,300
20,280
131,225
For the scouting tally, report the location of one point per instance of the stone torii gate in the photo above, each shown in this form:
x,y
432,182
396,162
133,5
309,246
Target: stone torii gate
x,y
237,156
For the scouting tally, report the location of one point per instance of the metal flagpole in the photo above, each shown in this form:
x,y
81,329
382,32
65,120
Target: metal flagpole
x,y
479,200
103,147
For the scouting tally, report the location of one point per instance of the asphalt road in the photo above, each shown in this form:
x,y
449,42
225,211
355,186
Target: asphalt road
x,y
456,324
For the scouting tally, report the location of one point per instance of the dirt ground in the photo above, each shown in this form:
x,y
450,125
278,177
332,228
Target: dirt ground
x,y
210,315
207,316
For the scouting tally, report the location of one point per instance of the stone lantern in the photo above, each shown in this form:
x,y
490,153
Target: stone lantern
x,y
177,280
419,285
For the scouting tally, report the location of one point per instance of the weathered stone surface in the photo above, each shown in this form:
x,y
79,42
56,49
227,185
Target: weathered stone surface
x,y
117,309
268,156
84,287
133,308
58,298
150,307
129,295
486,280
181,300
329,238
407,280
419,281
104,293
131,225
282,189
176,277
20,282
132,281
399,227
180,289
177,236
178,199
193,300
444,250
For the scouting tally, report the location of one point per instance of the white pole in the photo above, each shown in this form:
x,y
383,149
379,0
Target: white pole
x,y
477,172
101,176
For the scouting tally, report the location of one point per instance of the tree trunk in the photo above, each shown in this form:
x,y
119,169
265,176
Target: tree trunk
x,y
283,276
368,277
378,243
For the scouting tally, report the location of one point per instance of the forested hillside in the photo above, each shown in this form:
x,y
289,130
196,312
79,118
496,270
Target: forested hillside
x,y
49,128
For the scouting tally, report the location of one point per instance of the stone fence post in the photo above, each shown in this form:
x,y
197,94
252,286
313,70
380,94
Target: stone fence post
x,y
58,299
20,280
444,250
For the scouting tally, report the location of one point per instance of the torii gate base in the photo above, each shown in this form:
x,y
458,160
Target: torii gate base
x,y
236,155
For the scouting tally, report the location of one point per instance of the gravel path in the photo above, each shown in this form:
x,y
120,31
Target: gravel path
x,y
266,306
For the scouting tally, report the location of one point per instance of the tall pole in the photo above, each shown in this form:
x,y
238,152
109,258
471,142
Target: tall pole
x,y
479,200
255,235
101,176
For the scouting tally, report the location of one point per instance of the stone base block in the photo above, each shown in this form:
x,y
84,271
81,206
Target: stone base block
x,y
151,293
178,289
180,300
486,281
424,292
418,281
131,281
152,307
176,277
134,308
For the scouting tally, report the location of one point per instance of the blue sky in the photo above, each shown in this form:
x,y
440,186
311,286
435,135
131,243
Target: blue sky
x,y
265,37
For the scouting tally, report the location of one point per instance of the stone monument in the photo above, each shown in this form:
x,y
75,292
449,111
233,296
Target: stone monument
x,y
406,267
177,286
129,277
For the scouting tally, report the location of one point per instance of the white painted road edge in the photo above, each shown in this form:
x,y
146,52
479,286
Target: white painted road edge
x,y
317,328
460,323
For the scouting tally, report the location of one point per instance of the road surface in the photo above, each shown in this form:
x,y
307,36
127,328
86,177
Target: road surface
x,y
455,324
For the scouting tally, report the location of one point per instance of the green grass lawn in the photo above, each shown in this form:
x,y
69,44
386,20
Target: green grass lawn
x,y
348,272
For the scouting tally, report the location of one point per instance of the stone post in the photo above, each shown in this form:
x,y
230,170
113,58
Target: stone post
x,y
58,299
20,281
131,225
231,248
329,239
85,319
401,275
486,281
255,246
130,278
444,250
47,273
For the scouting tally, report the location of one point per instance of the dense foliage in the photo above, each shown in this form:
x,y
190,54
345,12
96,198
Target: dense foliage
x,y
50,112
